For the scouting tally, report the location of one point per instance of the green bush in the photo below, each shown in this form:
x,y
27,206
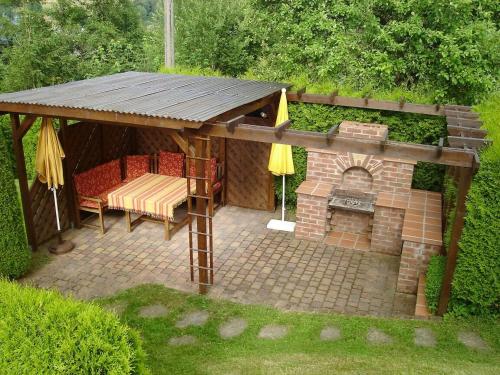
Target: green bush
x,y
43,333
402,127
476,284
434,279
15,255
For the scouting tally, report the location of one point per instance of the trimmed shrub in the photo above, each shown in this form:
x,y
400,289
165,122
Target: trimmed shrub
x,y
434,279
42,332
15,255
476,284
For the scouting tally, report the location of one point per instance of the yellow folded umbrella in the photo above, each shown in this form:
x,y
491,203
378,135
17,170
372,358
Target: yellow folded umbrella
x,y
49,155
281,160
281,164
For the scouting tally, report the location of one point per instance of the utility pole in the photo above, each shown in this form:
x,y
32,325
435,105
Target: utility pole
x,y
169,33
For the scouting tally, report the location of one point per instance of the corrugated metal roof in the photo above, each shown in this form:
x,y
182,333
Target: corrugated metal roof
x,y
171,96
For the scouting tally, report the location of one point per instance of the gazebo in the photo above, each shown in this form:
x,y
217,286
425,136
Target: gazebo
x,y
109,117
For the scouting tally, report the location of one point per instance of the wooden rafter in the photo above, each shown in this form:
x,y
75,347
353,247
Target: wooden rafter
x,y
366,103
26,125
428,153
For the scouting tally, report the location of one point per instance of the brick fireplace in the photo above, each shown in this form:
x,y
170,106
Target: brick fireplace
x,y
365,202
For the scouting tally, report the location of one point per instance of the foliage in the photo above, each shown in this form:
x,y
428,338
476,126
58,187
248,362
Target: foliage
x,y
449,196
434,279
14,252
41,332
379,44
71,40
402,127
476,285
301,351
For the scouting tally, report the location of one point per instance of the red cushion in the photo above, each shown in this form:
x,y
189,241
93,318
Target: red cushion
x,y
171,164
136,166
98,179
103,196
213,169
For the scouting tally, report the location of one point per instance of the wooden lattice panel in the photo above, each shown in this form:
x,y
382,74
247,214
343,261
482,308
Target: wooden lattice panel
x,y
44,216
249,183
115,142
151,141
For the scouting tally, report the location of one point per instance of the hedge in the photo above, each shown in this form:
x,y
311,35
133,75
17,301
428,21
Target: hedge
x,y
403,127
434,279
476,283
15,255
42,332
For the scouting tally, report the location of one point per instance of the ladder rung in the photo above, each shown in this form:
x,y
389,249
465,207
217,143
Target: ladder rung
x,y
197,158
201,251
200,215
200,196
203,268
198,178
205,284
205,234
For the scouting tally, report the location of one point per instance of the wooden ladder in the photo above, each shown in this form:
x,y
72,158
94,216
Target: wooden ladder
x,y
202,212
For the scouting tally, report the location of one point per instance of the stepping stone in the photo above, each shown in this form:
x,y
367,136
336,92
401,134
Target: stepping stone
x,y
273,332
472,340
196,318
232,328
116,308
376,336
153,311
424,337
182,340
329,334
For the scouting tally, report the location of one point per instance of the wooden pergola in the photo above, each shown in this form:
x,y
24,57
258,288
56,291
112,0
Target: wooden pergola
x,y
192,110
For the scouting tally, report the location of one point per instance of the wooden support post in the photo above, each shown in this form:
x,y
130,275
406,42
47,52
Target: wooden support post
x,y
23,181
464,182
68,176
201,219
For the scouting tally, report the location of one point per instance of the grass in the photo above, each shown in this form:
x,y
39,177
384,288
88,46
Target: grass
x,y
301,352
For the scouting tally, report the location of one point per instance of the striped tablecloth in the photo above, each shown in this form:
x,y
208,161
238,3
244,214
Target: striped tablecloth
x,y
151,194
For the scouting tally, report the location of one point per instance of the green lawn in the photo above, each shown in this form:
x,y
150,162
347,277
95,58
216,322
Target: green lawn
x,y
301,352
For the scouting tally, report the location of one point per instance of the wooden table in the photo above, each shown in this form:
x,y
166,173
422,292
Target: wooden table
x,y
154,197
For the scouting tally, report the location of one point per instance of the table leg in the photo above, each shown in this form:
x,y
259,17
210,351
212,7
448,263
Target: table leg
x,y
167,229
128,220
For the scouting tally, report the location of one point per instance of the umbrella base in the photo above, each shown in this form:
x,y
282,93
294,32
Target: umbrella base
x,y
62,247
286,226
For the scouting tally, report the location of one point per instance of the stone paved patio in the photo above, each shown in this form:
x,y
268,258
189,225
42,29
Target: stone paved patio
x,y
252,265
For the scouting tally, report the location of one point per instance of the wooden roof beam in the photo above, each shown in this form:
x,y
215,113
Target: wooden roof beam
x,y
98,116
428,153
468,142
463,131
470,123
26,125
367,103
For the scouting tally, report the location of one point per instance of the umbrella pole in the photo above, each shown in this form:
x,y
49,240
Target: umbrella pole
x,y
63,246
283,201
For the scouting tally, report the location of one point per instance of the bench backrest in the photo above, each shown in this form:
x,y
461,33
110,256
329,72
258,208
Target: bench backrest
x,y
98,179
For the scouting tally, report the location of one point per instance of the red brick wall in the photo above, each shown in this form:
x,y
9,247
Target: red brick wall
x,y
311,217
323,168
357,178
364,131
395,178
387,228
414,261
352,222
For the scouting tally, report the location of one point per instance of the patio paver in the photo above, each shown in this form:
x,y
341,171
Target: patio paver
x,y
424,337
330,334
195,318
252,265
272,332
153,311
182,340
472,340
376,336
233,328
